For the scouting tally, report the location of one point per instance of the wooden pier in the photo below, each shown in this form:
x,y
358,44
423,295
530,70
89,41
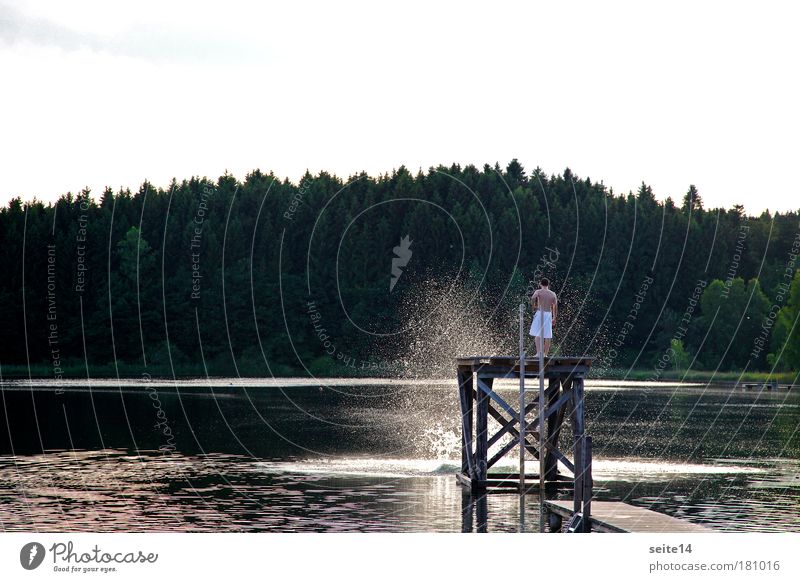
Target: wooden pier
x,y
618,517
563,398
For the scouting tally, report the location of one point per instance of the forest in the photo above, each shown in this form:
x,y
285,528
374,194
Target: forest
x,y
335,276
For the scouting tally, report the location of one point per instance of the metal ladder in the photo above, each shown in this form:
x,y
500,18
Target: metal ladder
x,y
522,423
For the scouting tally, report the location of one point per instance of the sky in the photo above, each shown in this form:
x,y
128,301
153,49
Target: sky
x,y
96,94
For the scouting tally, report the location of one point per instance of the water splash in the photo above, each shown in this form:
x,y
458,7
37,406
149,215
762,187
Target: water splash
x,y
364,467
603,469
443,321
439,441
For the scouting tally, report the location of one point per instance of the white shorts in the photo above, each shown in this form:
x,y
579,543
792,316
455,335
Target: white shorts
x,y
536,325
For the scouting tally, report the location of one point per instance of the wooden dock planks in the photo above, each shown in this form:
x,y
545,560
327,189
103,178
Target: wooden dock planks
x,y
619,517
508,366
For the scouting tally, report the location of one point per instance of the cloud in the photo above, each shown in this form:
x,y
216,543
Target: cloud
x,y
158,42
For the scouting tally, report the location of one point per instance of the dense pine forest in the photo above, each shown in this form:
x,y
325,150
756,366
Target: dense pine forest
x,y
334,276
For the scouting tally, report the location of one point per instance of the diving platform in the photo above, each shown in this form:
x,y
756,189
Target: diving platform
x,y
563,398
533,427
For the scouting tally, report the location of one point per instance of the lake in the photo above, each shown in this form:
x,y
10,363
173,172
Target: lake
x,y
369,455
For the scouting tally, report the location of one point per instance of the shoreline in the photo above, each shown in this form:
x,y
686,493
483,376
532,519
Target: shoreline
x,y
222,384
71,374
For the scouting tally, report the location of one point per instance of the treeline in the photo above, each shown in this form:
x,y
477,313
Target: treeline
x,y
267,277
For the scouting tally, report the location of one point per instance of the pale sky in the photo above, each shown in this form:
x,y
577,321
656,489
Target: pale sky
x,y
96,93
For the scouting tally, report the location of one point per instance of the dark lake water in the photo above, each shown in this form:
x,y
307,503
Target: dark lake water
x,y
361,455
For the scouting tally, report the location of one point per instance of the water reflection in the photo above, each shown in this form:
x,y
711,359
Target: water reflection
x,y
113,490
372,457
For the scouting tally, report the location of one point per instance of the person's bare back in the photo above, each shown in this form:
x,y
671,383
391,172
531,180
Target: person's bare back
x,y
545,308
545,300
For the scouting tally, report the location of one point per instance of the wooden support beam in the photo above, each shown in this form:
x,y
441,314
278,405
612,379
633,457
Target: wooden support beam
x,y
560,456
508,425
556,405
505,425
559,422
577,497
509,361
551,437
587,483
467,511
510,446
466,396
482,512
482,428
578,432
494,475
488,371
485,385
533,424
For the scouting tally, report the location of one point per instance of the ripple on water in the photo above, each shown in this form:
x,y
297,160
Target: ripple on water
x,y
113,490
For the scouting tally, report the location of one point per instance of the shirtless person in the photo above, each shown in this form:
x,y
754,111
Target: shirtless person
x,y
545,306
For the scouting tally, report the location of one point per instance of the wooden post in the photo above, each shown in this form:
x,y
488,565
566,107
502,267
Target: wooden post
x,y
482,429
482,510
542,453
577,491
578,434
522,408
467,512
554,422
465,394
587,484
